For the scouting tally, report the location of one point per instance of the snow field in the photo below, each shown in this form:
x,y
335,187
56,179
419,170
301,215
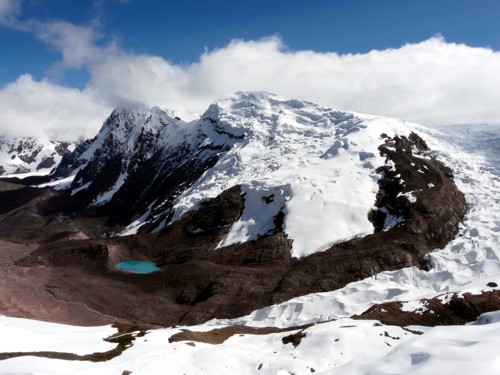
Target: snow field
x,y
324,347
31,335
467,263
469,349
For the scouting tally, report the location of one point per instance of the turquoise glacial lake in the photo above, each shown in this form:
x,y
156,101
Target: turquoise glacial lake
x,y
137,266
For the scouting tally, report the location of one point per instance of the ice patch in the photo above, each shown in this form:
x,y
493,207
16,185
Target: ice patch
x,y
390,220
409,195
417,306
108,195
134,227
83,187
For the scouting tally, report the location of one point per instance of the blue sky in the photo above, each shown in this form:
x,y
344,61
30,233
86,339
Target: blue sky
x,y
181,30
184,54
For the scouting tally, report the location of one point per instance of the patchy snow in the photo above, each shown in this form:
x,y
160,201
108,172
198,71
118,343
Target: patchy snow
x,y
23,156
83,187
107,195
390,220
60,184
416,306
409,195
134,227
119,138
42,172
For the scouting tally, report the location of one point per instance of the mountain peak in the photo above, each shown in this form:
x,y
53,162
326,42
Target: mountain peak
x,y
247,101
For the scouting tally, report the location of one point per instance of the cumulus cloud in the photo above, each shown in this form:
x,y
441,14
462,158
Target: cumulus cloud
x,y
430,82
41,108
77,44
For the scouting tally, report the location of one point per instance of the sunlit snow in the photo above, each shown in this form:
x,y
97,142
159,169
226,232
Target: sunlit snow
x,y
322,159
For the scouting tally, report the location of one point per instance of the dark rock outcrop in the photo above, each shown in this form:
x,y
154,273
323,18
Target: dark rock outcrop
x,y
444,310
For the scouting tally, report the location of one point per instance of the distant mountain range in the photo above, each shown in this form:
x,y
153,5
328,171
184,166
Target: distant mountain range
x,y
21,155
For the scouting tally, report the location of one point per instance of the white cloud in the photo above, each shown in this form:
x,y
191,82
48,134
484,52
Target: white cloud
x,y
77,44
429,82
9,10
40,108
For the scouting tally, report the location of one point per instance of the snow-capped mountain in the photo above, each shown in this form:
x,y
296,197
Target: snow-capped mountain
x,y
281,230
138,161
259,181
289,158
21,155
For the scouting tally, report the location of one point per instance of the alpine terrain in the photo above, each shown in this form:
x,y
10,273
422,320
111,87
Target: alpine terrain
x,y
21,155
269,236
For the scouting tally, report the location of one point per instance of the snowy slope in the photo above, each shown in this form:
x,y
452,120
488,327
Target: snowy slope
x,y
467,263
345,346
323,348
317,162
22,155
339,347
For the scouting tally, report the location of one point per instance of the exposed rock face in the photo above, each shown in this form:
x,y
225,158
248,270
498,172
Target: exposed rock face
x,y
70,160
135,162
197,282
46,163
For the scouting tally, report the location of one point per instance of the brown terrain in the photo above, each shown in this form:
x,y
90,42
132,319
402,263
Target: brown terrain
x,y
457,309
58,264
